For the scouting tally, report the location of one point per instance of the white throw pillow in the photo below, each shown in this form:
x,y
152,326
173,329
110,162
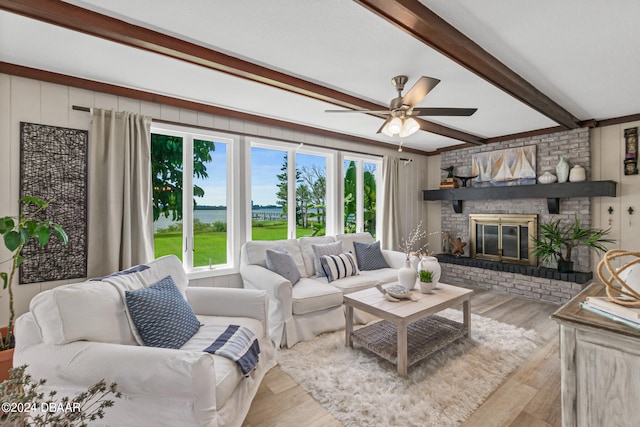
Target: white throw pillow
x,y
334,248
281,262
91,311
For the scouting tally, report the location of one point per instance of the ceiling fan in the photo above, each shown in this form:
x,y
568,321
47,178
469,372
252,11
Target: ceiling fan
x,y
402,109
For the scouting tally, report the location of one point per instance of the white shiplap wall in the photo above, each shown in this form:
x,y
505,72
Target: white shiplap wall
x,y
23,99
607,155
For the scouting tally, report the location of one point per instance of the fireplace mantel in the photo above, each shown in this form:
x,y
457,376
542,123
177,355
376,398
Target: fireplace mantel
x,y
552,192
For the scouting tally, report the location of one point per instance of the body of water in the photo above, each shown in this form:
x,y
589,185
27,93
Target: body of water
x,y
211,216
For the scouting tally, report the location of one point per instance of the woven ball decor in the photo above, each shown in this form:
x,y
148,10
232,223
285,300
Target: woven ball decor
x,y
615,285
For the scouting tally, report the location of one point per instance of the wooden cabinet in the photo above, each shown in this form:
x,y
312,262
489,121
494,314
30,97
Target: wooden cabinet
x,y
600,367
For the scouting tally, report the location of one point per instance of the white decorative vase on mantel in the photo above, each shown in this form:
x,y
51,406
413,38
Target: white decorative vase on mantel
x,y
407,276
577,174
547,178
562,170
431,263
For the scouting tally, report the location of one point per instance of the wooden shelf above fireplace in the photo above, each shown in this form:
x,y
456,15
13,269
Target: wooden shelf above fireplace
x,y
552,192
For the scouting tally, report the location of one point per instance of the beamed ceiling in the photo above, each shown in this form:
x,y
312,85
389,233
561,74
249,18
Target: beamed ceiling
x,y
528,67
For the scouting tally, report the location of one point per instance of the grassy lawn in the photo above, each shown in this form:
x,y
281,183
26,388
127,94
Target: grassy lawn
x,y
214,244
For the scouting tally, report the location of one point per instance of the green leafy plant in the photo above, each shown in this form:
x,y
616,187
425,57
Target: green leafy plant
x,y
426,276
24,405
16,232
556,241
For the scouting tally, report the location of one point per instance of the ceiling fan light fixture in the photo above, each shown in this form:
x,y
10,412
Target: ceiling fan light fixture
x,y
395,125
385,129
409,127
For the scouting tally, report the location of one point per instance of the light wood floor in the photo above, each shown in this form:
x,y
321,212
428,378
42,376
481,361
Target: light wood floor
x,y
529,397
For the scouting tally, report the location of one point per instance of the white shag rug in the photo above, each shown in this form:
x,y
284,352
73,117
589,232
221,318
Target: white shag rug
x,y
361,389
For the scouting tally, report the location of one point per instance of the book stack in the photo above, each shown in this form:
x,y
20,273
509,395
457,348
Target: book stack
x,y
603,306
448,183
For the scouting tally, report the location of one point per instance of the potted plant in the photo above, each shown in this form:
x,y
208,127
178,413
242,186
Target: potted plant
x,y
16,232
556,241
426,281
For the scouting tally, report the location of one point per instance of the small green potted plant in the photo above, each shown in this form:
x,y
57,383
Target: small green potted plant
x,y
556,241
16,232
426,281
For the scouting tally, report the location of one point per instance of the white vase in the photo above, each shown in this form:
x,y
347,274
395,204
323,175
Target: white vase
x,y
547,178
407,275
415,262
431,263
562,170
577,174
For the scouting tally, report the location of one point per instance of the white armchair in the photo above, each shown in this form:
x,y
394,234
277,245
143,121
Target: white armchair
x,y
160,386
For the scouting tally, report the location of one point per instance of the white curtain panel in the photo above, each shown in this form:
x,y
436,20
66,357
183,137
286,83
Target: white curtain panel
x,y
120,196
390,203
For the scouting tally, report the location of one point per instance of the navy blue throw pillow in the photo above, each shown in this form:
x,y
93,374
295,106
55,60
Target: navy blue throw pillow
x,y
161,315
369,256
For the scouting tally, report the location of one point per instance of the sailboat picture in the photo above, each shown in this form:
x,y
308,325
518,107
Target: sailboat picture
x,y
512,166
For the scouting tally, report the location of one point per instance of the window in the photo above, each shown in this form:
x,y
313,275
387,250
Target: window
x,y
269,194
361,181
284,175
311,195
190,174
212,192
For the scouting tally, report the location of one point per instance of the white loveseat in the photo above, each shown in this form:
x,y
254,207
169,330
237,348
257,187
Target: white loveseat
x,y
77,334
313,305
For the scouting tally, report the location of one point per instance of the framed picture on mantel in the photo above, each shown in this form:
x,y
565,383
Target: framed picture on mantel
x,y
511,166
631,151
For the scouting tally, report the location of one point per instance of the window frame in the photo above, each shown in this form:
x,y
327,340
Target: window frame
x,y
292,149
188,135
239,188
360,160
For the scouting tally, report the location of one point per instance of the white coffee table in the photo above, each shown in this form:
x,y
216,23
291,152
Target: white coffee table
x,y
409,331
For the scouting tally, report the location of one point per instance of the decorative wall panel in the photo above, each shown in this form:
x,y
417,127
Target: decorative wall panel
x,y
53,167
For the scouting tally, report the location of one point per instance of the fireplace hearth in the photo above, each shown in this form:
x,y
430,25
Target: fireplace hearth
x,y
525,270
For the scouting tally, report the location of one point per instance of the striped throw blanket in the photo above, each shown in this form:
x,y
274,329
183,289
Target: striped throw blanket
x,y
238,344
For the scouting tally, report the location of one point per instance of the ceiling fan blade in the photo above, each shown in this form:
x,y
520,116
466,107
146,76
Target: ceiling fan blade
x,y
442,111
384,124
359,111
419,90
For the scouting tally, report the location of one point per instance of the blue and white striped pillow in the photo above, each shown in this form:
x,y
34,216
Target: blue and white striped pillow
x,y
338,266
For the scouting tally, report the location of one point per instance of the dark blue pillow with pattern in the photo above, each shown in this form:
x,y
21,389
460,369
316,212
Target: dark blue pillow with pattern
x,y
369,256
161,315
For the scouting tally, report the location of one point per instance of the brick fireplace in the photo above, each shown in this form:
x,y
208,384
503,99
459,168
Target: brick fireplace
x,y
574,146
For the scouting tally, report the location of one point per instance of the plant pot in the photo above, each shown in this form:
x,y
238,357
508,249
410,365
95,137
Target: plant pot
x,y
6,359
565,266
6,363
431,263
426,287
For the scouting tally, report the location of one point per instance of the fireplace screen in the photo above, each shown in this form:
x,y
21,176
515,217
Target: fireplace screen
x,y
503,237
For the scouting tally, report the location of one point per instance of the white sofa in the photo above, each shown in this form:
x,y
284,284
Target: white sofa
x,y
75,335
313,306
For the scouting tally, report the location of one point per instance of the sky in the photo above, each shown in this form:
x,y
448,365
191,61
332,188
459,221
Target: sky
x,y
265,166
